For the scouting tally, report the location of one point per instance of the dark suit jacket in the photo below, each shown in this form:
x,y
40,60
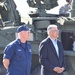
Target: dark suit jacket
x,y
49,58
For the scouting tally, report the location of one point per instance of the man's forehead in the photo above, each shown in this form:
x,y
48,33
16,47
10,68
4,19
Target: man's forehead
x,y
54,28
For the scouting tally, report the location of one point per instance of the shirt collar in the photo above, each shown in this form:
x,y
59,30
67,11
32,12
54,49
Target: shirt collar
x,y
53,39
19,42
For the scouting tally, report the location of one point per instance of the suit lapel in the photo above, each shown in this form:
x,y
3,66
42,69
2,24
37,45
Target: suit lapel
x,y
52,46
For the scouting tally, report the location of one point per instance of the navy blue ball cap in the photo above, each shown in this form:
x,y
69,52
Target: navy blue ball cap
x,y
23,28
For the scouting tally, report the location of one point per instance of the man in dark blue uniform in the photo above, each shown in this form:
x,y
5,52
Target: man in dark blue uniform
x,y
17,54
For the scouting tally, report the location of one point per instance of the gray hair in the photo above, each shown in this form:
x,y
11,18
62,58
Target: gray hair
x,y
50,27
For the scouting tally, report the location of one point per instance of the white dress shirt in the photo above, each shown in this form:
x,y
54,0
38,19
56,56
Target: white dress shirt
x,y
55,45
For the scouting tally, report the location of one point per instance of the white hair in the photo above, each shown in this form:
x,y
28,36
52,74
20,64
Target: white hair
x,y
18,34
50,27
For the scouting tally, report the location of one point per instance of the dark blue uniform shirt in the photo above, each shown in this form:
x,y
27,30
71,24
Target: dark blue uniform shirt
x,y
20,58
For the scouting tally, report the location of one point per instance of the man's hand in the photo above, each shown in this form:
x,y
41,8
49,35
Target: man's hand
x,y
6,63
63,69
58,69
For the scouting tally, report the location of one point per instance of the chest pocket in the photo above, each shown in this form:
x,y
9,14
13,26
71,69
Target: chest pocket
x,y
20,55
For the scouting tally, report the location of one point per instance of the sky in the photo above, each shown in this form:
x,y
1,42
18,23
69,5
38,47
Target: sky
x,y
23,7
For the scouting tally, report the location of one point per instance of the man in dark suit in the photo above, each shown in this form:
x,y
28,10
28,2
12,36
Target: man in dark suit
x,y
51,53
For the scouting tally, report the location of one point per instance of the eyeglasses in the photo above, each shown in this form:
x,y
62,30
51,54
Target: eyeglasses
x,y
55,30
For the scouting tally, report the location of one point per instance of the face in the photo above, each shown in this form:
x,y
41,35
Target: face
x,y
54,33
69,1
25,34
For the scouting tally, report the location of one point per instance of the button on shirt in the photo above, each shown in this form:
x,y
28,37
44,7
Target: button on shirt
x,y
20,58
56,46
